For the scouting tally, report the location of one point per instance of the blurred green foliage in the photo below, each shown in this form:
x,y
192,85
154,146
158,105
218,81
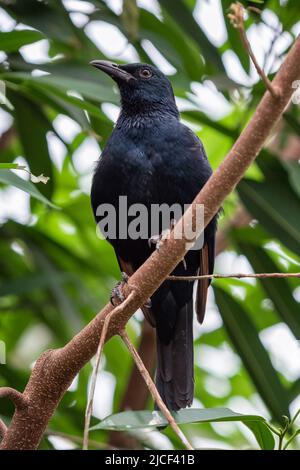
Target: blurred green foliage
x,y
56,274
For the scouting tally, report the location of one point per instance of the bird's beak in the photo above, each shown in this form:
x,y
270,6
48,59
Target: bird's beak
x,y
113,70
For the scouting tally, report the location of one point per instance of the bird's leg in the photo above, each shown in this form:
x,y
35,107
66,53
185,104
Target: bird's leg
x,y
117,293
158,240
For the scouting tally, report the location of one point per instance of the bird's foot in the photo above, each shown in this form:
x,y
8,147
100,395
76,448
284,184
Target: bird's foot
x,y
117,296
158,240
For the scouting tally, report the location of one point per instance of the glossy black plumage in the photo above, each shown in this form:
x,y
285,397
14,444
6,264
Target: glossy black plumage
x,y
152,158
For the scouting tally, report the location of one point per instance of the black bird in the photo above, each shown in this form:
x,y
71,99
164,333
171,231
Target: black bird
x,y
152,158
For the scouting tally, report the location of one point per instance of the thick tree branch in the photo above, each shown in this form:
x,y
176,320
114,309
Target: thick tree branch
x,y
55,370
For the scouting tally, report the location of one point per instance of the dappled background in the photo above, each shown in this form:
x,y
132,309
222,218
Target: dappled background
x,y
55,118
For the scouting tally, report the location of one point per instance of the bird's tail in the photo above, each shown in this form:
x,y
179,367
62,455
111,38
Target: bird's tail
x,y
175,362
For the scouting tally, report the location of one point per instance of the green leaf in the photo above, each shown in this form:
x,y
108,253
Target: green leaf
x,y
13,40
293,169
264,436
276,207
42,16
294,391
88,89
293,123
245,339
11,166
130,18
202,118
32,126
181,14
129,420
8,177
278,290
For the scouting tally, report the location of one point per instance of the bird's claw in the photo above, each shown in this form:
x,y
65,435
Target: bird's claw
x,y
158,240
117,293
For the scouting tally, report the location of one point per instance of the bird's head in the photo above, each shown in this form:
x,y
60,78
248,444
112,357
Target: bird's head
x,y
142,86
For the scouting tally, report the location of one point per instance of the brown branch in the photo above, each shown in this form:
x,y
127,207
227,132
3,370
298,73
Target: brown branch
x,y
55,370
16,397
136,394
153,390
234,276
89,407
236,17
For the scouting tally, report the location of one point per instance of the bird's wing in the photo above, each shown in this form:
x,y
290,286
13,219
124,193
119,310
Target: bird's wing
x,y
206,265
128,268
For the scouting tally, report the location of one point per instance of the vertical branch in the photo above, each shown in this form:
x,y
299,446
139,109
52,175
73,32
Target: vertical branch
x,y
236,17
136,394
89,408
153,390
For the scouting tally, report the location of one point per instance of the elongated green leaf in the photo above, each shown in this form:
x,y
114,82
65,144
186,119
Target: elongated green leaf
x,y
293,169
146,419
42,16
13,40
276,207
199,117
166,36
245,339
33,126
130,18
294,391
8,177
11,166
277,289
88,89
180,12
292,121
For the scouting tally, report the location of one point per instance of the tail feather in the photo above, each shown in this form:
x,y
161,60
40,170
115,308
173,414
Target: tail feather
x,y
175,362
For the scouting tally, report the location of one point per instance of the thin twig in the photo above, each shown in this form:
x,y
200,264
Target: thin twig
x,y
283,431
234,276
89,407
153,390
16,397
288,442
236,17
3,429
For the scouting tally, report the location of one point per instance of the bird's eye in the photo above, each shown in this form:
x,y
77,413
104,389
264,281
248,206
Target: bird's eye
x,y
145,73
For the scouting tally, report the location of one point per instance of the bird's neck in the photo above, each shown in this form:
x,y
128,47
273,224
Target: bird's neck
x,y
144,115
